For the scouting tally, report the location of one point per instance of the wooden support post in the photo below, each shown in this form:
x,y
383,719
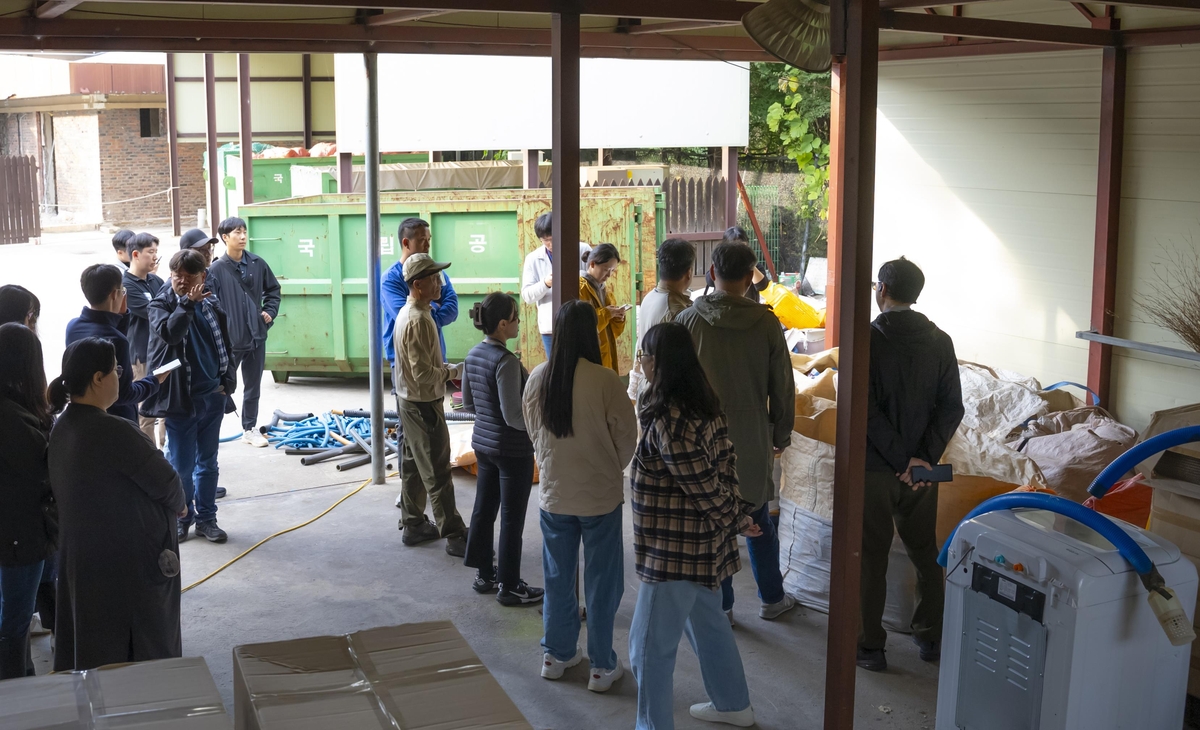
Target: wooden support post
x,y
837,133
215,176
173,147
306,74
345,172
857,220
1108,219
564,54
729,165
533,180
245,133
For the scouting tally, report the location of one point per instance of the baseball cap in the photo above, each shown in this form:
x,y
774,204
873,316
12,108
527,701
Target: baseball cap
x,y
419,265
195,238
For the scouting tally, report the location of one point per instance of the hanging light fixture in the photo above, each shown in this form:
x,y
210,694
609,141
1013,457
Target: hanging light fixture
x,y
794,31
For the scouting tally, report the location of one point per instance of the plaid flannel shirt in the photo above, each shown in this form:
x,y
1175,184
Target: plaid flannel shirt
x,y
205,310
687,511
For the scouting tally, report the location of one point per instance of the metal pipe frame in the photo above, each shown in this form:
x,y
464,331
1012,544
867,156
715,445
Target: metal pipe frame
x,y
245,133
729,166
565,184
375,324
307,80
210,132
173,147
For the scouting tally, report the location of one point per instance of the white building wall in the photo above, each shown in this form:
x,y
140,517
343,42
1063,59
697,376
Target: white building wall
x,y
987,179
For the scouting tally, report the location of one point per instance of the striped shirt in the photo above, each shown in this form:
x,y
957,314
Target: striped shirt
x,y
687,511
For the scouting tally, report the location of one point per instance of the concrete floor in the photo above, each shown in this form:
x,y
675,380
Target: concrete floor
x,y
349,571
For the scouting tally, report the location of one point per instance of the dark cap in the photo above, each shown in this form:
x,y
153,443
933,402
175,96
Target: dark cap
x,y
195,238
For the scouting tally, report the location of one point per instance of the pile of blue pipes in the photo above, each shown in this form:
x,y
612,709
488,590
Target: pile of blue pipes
x,y
330,435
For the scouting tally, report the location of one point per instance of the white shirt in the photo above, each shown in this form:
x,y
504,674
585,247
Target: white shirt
x,y
533,287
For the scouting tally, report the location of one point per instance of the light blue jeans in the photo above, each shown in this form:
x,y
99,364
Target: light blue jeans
x,y
603,581
664,612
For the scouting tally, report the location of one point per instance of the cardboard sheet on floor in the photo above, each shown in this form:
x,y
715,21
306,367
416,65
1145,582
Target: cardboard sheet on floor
x,y
171,694
413,676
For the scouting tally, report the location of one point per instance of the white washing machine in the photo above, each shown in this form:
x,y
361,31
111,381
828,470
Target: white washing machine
x,y
1047,627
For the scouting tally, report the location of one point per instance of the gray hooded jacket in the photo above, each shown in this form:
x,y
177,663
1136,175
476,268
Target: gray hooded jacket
x,y
742,349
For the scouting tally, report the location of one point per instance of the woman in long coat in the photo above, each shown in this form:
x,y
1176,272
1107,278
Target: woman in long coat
x,y
118,501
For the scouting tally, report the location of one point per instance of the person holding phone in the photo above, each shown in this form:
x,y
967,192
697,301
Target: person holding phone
x,y
105,317
601,262
914,406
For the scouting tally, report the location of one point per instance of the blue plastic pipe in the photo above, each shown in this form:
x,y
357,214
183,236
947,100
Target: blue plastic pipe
x,y
1108,529
1127,461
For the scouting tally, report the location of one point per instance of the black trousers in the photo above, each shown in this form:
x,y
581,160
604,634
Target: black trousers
x,y
251,364
913,513
503,486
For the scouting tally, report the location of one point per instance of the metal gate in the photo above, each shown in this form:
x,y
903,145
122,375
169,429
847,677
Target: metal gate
x,y
20,216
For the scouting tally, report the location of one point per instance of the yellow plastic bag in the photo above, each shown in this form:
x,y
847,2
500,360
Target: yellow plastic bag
x,y
793,312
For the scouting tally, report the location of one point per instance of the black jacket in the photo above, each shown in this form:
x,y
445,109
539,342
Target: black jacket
x,y
170,317
109,326
245,298
28,519
140,292
914,404
492,434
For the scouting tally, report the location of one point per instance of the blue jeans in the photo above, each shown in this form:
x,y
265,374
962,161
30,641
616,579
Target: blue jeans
x,y
547,343
664,612
603,580
194,442
18,594
764,562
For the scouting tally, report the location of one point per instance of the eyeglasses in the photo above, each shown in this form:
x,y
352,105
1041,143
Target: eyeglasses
x,y
120,371
875,286
643,355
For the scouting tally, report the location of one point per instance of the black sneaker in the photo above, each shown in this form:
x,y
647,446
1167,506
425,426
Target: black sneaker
x,y
456,546
519,595
872,660
419,533
930,651
182,530
211,532
221,492
484,585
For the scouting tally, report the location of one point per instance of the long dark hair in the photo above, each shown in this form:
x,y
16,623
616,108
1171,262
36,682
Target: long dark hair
x,y
22,374
575,337
82,360
679,380
494,309
18,304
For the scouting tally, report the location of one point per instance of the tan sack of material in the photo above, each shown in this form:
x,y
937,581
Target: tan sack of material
x,y
1072,447
817,361
997,401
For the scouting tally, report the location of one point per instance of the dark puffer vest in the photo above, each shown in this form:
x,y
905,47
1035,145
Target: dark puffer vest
x,y
493,436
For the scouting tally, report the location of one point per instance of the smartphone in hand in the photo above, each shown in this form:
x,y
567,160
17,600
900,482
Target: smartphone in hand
x,y
168,367
936,475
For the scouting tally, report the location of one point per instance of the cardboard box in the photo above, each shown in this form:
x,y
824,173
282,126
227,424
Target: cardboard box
x,y
171,694
412,676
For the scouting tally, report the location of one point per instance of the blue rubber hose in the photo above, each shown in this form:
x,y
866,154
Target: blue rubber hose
x,y
1105,480
1108,529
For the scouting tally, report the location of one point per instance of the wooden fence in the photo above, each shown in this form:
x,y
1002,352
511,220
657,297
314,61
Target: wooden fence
x,y
20,215
695,205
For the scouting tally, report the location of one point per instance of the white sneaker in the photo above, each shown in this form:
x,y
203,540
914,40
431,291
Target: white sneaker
x,y
772,611
601,680
553,668
255,439
36,628
705,711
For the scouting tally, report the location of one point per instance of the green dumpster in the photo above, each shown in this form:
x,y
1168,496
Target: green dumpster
x,y
317,248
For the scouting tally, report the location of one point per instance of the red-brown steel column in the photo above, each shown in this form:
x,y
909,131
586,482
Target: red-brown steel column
x,y
837,133
532,178
306,80
345,167
245,132
210,136
564,54
173,147
856,217
729,166
1108,219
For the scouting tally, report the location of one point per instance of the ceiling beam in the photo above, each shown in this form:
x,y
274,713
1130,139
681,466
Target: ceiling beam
x,y
222,36
719,10
996,29
403,16
913,4
677,26
965,49
55,8
1146,37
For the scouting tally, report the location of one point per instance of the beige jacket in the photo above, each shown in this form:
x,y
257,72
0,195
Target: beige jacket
x,y
420,372
584,475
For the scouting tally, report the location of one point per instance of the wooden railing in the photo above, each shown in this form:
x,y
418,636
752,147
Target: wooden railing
x,y
20,216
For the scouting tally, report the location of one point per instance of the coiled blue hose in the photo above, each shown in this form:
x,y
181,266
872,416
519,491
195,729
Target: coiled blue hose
x,y
1105,480
1108,529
